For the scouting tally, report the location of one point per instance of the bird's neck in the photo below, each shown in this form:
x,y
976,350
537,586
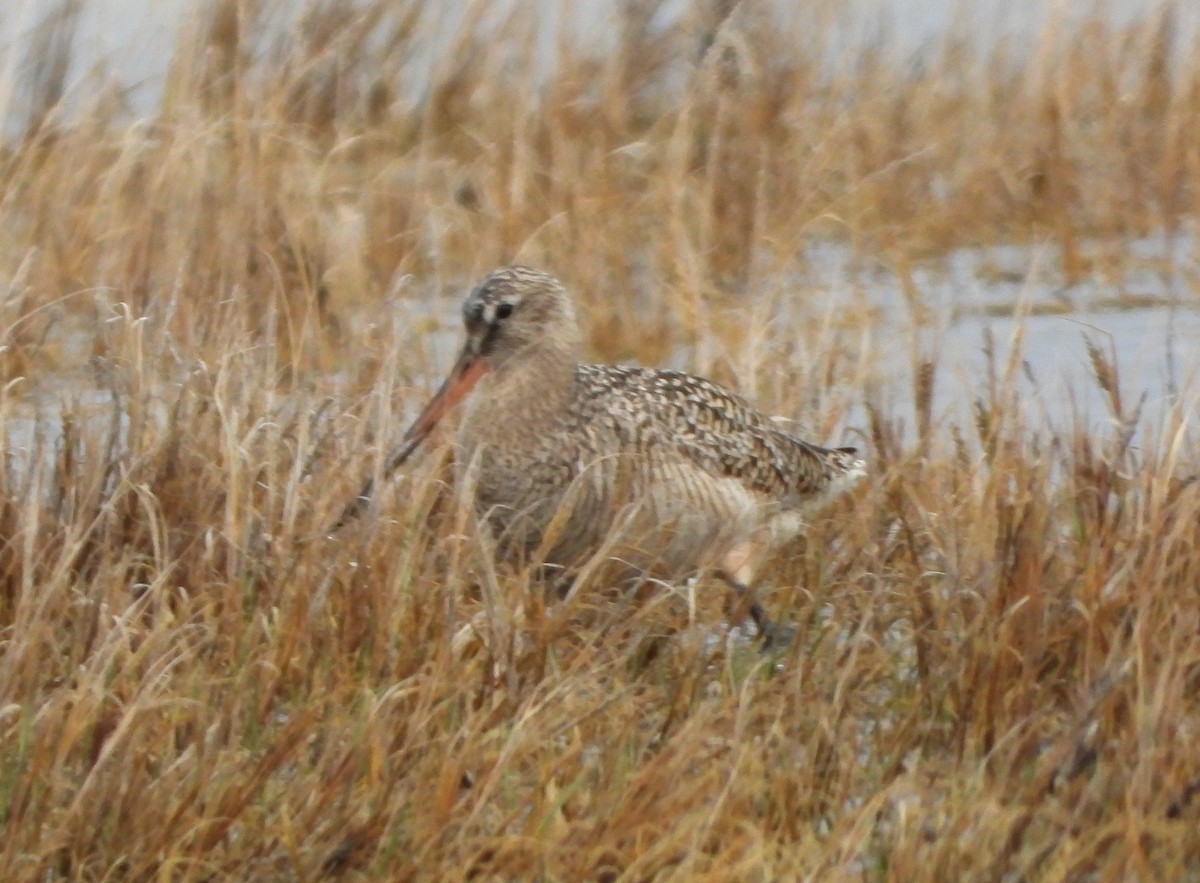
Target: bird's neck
x,y
522,396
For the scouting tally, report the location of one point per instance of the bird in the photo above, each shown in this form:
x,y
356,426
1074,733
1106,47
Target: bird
x,y
665,473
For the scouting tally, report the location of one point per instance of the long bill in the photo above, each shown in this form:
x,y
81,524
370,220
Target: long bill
x,y
467,371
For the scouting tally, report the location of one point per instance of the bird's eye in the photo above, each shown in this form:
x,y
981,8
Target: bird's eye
x,y
503,311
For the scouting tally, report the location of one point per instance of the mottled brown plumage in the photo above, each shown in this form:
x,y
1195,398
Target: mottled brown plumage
x,y
662,470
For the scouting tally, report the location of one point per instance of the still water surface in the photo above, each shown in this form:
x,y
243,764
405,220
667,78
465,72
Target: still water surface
x,y
130,43
1004,298
1148,317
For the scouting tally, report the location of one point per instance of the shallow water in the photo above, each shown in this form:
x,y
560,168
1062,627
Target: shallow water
x,y
130,43
949,311
1147,317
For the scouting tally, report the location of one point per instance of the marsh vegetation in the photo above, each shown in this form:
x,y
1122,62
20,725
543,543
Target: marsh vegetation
x,y
219,316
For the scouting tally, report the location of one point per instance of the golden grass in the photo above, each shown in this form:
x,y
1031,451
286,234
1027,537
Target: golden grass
x,y
998,659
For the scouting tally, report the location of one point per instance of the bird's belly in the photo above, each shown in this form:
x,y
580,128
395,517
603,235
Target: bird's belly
x,y
666,519
685,520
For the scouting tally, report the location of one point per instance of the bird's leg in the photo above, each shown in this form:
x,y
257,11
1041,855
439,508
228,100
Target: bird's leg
x,y
737,569
761,621
768,632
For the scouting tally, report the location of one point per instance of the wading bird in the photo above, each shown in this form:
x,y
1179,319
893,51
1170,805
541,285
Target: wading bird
x,y
663,471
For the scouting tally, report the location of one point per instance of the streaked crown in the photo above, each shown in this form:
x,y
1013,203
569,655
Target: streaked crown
x,y
517,308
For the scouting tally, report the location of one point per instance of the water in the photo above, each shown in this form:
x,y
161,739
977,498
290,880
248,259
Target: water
x,y
127,45
1146,318
1011,294
952,309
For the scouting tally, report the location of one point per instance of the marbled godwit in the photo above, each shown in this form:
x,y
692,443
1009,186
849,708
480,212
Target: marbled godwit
x,y
664,471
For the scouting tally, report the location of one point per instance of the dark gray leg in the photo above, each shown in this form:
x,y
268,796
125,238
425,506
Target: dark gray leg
x,y
771,635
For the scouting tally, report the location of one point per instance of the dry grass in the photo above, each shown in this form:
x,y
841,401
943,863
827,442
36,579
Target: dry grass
x,y
998,661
